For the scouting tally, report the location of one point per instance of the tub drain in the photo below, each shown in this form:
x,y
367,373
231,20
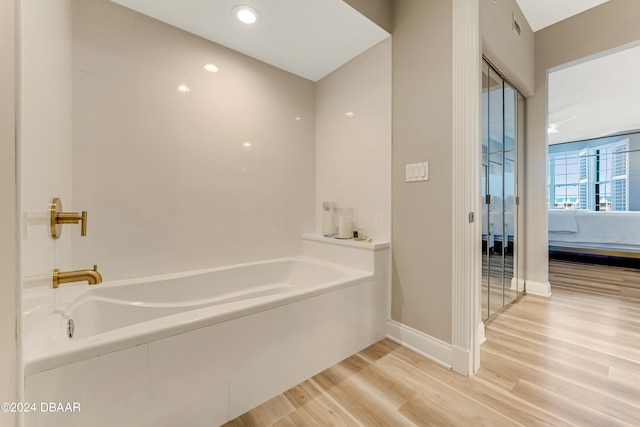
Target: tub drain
x,y
71,326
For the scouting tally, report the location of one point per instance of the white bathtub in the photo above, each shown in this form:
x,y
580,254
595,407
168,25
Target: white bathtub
x,y
281,320
120,314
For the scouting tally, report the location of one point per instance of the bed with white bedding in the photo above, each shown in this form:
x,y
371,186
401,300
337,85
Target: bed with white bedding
x,y
607,233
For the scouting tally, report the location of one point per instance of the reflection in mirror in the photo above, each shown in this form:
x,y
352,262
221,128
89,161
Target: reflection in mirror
x,y
501,132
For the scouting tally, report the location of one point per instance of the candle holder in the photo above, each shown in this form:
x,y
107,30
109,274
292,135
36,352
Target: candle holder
x,y
329,224
345,223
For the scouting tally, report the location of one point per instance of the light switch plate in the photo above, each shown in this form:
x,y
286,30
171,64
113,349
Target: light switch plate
x,y
415,172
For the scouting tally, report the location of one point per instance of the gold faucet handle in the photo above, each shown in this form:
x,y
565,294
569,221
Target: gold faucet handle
x,y
57,217
83,230
73,218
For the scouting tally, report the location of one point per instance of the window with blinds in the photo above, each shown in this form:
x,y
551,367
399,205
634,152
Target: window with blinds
x,y
584,180
619,188
595,178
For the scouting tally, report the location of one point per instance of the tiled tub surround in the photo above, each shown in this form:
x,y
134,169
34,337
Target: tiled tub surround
x,y
198,358
182,179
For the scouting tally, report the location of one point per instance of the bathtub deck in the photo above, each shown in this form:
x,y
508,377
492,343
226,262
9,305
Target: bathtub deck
x,y
573,359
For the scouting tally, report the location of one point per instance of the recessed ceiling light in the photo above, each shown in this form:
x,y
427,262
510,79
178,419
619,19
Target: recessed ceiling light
x,y
246,14
349,114
246,144
183,88
211,68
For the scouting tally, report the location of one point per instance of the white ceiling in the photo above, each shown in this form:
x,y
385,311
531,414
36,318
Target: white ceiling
x,y
309,38
595,98
542,13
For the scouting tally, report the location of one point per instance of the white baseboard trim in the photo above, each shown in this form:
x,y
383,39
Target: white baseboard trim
x,y
460,360
538,288
481,337
426,345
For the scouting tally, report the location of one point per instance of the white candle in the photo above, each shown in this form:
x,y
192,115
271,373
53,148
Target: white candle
x,y
345,227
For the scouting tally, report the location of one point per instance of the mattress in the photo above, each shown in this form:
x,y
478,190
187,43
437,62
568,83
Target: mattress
x,y
614,231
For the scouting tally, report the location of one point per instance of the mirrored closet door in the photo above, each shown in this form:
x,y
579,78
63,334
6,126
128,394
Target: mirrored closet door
x,y
502,130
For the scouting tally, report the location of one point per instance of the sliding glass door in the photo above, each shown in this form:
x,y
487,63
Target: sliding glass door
x,y
502,116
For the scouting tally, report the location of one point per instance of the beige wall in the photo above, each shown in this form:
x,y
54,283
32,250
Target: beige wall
x,y
353,151
604,27
512,55
378,11
596,30
8,229
422,131
165,175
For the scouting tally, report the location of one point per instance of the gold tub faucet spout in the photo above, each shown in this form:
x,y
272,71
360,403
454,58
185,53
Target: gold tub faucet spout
x,y
91,276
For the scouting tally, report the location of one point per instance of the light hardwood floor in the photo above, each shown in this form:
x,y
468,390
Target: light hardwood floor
x,y
571,360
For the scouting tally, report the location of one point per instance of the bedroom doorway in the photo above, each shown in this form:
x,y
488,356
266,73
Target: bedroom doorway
x,y
502,133
593,159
